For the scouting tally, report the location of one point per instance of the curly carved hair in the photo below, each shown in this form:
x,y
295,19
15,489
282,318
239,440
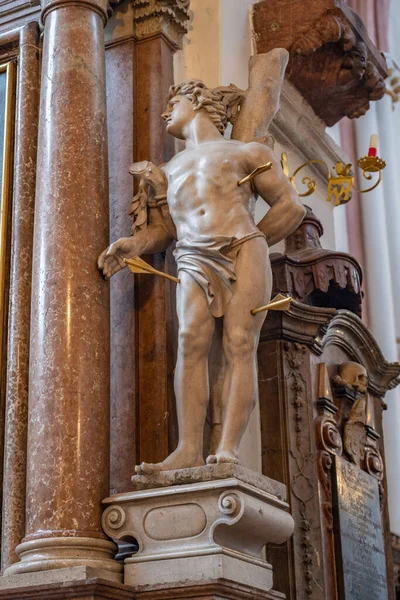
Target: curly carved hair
x,y
201,96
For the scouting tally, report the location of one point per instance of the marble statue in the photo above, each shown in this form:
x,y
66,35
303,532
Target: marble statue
x,y
221,255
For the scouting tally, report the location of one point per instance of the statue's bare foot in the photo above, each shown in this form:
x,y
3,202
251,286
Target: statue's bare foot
x,y
222,456
177,460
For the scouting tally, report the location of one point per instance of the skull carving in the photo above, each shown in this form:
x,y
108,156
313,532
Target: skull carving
x,y
353,376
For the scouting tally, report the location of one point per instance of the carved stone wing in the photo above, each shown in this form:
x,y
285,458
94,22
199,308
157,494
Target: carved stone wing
x,y
261,101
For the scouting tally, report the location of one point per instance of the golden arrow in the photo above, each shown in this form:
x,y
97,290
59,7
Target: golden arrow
x,y
138,265
280,302
257,171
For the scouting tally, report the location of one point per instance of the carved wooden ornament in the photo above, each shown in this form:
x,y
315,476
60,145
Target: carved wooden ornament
x,y
333,63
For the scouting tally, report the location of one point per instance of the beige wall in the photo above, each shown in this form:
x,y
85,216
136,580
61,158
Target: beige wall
x,y
217,50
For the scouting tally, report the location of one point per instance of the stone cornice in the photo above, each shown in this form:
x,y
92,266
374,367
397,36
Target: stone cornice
x,y
301,323
167,17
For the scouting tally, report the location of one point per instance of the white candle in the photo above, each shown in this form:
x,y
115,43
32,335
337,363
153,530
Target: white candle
x,y
373,145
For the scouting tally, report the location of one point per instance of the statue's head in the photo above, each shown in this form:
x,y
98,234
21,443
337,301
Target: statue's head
x,y
186,100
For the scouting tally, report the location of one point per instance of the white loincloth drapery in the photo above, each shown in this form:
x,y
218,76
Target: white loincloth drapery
x,y
212,264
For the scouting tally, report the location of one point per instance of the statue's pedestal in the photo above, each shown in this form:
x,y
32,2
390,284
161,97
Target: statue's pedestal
x,y
202,530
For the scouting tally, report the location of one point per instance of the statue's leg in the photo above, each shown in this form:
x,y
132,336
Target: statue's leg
x,y
240,339
196,328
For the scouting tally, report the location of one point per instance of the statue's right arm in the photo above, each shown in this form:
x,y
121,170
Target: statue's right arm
x,y
155,238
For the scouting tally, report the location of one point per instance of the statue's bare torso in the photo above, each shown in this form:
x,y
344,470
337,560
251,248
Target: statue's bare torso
x,y
203,196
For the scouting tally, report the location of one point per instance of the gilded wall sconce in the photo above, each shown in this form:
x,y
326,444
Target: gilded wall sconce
x,y
340,184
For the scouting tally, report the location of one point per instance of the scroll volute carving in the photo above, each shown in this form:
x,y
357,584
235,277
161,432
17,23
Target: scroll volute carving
x,y
333,62
328,436
329,440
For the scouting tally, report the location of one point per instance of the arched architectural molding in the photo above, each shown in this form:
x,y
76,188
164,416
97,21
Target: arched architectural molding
x,y
319,328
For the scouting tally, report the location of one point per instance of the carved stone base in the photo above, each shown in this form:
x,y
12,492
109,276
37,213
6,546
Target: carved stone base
x,y
80,583
49,554
199,527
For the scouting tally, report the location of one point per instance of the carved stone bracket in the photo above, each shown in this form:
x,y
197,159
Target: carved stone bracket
x,y
350,80
168,17
328,435
333,62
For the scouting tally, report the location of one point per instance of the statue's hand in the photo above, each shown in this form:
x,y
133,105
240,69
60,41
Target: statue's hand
x,y
111,260
151,174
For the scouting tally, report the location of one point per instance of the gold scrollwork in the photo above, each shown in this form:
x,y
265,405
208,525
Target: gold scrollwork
x,y
340,185
370,165
308,181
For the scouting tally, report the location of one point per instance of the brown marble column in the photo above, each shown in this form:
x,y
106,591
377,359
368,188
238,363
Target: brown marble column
x,y
68,435
16,416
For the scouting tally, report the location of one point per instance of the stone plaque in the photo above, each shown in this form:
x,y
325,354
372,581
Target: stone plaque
x,y
360,555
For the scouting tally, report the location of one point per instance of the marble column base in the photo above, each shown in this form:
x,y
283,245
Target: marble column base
x,y
199,527
215,590
46,554
80,583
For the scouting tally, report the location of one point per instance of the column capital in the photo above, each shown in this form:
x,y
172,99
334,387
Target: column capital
x,y
168,17
99,6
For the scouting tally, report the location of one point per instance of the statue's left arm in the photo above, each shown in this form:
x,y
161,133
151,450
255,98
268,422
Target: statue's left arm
x,y
286,212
